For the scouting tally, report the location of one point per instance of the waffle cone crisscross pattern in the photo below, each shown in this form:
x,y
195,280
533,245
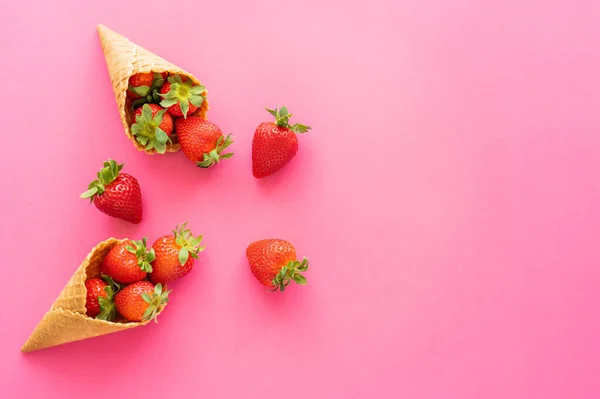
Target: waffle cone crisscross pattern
x,y
124,59
66,320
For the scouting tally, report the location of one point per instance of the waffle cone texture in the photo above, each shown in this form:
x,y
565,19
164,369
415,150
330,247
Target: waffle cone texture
x,y
66,321
124,59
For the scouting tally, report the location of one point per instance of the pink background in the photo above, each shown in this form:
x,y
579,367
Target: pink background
x,y
448,198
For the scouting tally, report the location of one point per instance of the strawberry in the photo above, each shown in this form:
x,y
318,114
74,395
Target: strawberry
x,y
99,301
202,141
116,194
141,301
152,127
95,288
175,255
181,98
128,261
139,85
275,144
273,263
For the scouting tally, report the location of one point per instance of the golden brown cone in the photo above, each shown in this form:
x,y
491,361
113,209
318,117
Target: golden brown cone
x,y
66,320
124,59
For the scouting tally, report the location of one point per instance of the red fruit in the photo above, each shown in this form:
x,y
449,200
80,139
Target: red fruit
x,y
181,98
175,255
95,288
273,263
152,127
116,194
139,85
275,144
202,141
141,301
128,261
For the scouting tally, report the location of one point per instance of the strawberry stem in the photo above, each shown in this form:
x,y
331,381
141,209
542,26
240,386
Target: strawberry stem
x,y
213,157
155,301
289,272
190,244
282,118
144,256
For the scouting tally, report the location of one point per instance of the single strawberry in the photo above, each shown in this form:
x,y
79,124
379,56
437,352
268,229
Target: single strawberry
x,y
95,288
181,97
116,194
202,141
139,85
100,295
152,127
128,261
275,144
141,301
273,262
175,255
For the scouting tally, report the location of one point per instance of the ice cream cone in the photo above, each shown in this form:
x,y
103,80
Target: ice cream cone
x,y
124,59
66,320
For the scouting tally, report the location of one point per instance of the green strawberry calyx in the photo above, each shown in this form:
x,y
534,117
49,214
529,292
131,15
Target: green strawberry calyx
x,y
147,131
107,175
155,301
148,94
282,118
289,272
214,156
190,244
183,93
144,255
108,311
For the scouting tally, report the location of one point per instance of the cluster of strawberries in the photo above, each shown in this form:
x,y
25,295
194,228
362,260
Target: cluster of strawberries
x,y
132,286
164,109
134,277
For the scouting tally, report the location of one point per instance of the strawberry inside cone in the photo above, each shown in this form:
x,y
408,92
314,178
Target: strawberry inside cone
x,y
181,96
152,127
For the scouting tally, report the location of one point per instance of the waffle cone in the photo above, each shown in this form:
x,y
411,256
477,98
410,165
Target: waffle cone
x,y
124,59
66,320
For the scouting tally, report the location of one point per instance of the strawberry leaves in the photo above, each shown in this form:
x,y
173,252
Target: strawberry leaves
x,y
149,95
282,118
183,93
107,175
213,157
190,244
155,301
289,272
147,131
144,255
108,311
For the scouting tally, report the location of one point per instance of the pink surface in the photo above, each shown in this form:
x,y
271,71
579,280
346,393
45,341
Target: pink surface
x,y
447,197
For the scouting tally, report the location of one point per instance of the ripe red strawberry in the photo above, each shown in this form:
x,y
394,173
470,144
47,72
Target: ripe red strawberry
x,y
116,194
273,262
95,288
202,141
99,302
128,261
175,255
181,97
152,127
139,85
141,301
275,144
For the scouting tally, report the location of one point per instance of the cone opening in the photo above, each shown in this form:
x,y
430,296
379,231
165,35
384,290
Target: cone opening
x,y
124,59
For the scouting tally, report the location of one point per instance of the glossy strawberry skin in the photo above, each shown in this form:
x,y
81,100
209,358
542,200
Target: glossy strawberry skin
x,y
122,199
166,266
129,301
167,120
175,109
95,287
139,79
273,147
267,258
196,136
122,265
